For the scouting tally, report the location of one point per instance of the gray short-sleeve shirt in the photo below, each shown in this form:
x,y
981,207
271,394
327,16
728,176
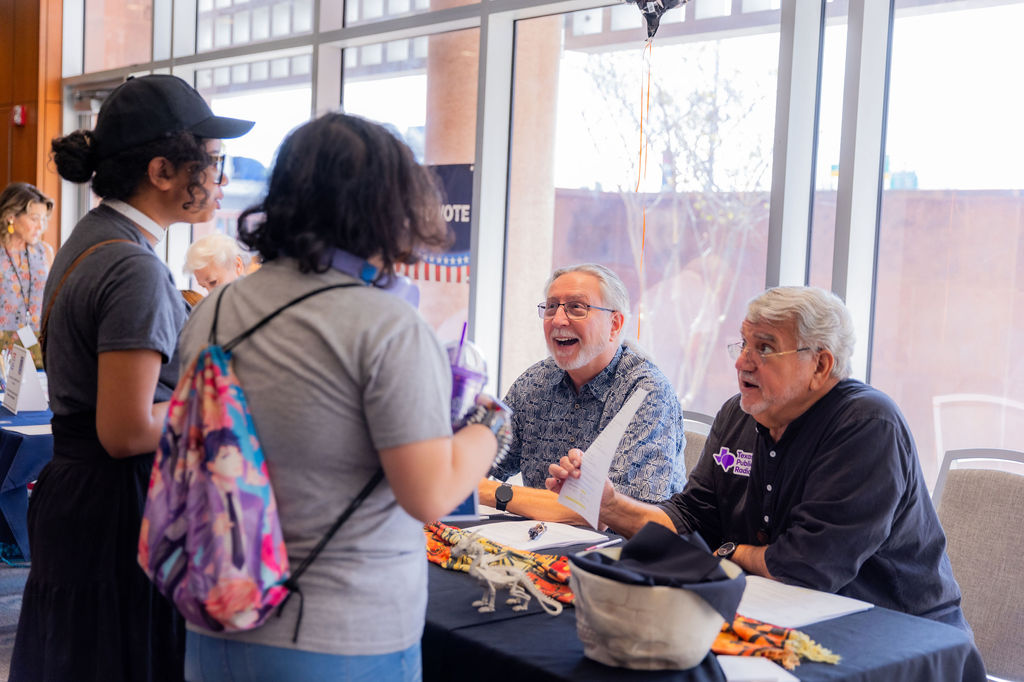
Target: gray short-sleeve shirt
x,y
329,383
120,297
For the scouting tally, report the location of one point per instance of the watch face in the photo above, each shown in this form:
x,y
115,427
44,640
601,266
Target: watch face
x,y
503,494
726,550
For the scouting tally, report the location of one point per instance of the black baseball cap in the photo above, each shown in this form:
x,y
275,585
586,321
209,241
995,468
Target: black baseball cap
x,y
147,108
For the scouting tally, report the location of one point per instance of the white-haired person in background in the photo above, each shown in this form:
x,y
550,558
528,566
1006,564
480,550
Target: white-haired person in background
x,y
215,259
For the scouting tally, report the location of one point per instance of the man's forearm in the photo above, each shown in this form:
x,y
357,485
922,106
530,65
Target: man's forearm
x,y
626,516
751,559
533,503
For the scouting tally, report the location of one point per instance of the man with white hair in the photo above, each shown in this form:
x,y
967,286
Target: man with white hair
x,y
565,400
808,476
214,259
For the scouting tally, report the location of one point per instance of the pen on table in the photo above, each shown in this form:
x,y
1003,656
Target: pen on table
x,y
606,543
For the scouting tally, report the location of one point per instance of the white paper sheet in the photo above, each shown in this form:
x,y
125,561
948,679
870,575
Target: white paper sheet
x,y
793,607
516,534
24,391
30,430
753,669
28,337
583,495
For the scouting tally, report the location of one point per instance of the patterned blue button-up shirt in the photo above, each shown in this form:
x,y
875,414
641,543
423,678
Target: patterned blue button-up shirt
x,y
549,418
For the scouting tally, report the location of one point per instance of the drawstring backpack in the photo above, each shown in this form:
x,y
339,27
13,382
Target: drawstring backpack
x,y
211,539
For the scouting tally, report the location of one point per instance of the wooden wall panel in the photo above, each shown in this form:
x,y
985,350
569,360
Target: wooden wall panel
x,y
50,109
30,77
26,51
6,56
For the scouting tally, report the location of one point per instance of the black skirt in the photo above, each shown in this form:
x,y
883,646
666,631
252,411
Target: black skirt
x,y
89,612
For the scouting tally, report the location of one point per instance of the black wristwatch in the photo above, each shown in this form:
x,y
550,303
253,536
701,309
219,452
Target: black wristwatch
x,y
502,496
726,550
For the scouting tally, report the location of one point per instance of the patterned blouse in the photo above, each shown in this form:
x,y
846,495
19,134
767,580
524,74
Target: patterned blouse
x,y
21,289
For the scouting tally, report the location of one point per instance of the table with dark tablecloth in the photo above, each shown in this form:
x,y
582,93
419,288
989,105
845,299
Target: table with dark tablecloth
x,y
22,457
459,643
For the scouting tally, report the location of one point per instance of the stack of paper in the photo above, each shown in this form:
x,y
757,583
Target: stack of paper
x,y
516,534
753,669
793,607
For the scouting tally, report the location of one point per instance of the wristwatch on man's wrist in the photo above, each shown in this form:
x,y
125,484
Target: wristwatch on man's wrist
x,y
502,496
726,550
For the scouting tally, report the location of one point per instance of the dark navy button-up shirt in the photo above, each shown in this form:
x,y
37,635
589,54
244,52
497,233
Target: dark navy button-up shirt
x,y
549,418
839,499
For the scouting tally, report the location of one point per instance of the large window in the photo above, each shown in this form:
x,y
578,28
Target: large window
x,y
223,23
949,319
556,168
275,92
669,188
117,33
424,89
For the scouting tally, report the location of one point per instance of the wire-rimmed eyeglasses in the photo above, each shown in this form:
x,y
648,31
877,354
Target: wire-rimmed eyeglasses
x,y
218,161
574,310
759,356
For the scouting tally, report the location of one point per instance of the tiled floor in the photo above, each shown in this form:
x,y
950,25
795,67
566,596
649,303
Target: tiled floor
x,y
12,581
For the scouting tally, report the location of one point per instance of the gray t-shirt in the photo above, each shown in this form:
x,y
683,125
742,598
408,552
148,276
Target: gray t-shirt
x,y
330,382
120,297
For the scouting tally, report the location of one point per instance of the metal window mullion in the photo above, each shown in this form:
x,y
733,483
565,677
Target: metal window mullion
x,y
796,126
490,188
861,154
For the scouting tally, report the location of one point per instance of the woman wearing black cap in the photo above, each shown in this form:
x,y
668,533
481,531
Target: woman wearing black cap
x,y
111,319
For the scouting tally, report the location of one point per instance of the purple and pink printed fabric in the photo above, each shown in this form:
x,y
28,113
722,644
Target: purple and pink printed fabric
x,y
211,539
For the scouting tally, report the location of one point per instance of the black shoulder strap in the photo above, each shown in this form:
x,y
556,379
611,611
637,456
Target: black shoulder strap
x,y
60,285
293,580
248,332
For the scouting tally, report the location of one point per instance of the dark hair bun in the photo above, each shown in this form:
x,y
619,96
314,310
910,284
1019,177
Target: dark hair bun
x,y
74,155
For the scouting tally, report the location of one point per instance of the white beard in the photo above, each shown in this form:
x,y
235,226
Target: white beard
x,y
584,355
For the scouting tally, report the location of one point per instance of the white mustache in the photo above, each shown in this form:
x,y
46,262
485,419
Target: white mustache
x,y
562,334
745,376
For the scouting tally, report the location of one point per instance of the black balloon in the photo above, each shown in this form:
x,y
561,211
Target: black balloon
x,y
652,11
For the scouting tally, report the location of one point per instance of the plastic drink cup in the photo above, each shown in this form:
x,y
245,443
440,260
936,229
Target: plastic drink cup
x,y
469,376
466,386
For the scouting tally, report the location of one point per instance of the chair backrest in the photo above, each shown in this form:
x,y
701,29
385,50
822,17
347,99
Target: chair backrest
x,y
696,427
694,446
973,420
980,511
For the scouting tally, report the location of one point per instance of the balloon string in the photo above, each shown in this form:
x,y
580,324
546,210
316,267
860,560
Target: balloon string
x,y
645,109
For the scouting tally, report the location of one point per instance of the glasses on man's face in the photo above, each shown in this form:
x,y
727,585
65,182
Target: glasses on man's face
x,y
218,161
759,353
574,310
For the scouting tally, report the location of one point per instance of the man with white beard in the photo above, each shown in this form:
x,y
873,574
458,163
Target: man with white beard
x,y
565,400
808,476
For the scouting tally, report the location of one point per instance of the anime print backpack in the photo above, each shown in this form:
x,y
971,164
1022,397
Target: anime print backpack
x,y
211,539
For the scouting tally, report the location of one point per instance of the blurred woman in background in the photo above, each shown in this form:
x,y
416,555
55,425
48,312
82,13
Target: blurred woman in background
x,y
25,261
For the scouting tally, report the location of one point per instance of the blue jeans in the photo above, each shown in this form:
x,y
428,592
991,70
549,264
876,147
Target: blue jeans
x,y
213,659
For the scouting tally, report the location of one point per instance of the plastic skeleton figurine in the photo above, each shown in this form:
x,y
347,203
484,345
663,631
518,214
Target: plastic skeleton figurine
x,y
495,572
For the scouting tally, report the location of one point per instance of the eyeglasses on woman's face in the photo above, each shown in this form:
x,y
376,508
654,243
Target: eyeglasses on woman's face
x,y
217,162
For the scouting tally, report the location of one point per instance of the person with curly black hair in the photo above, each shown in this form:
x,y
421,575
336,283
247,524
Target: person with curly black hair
x,y
341,385
111,317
